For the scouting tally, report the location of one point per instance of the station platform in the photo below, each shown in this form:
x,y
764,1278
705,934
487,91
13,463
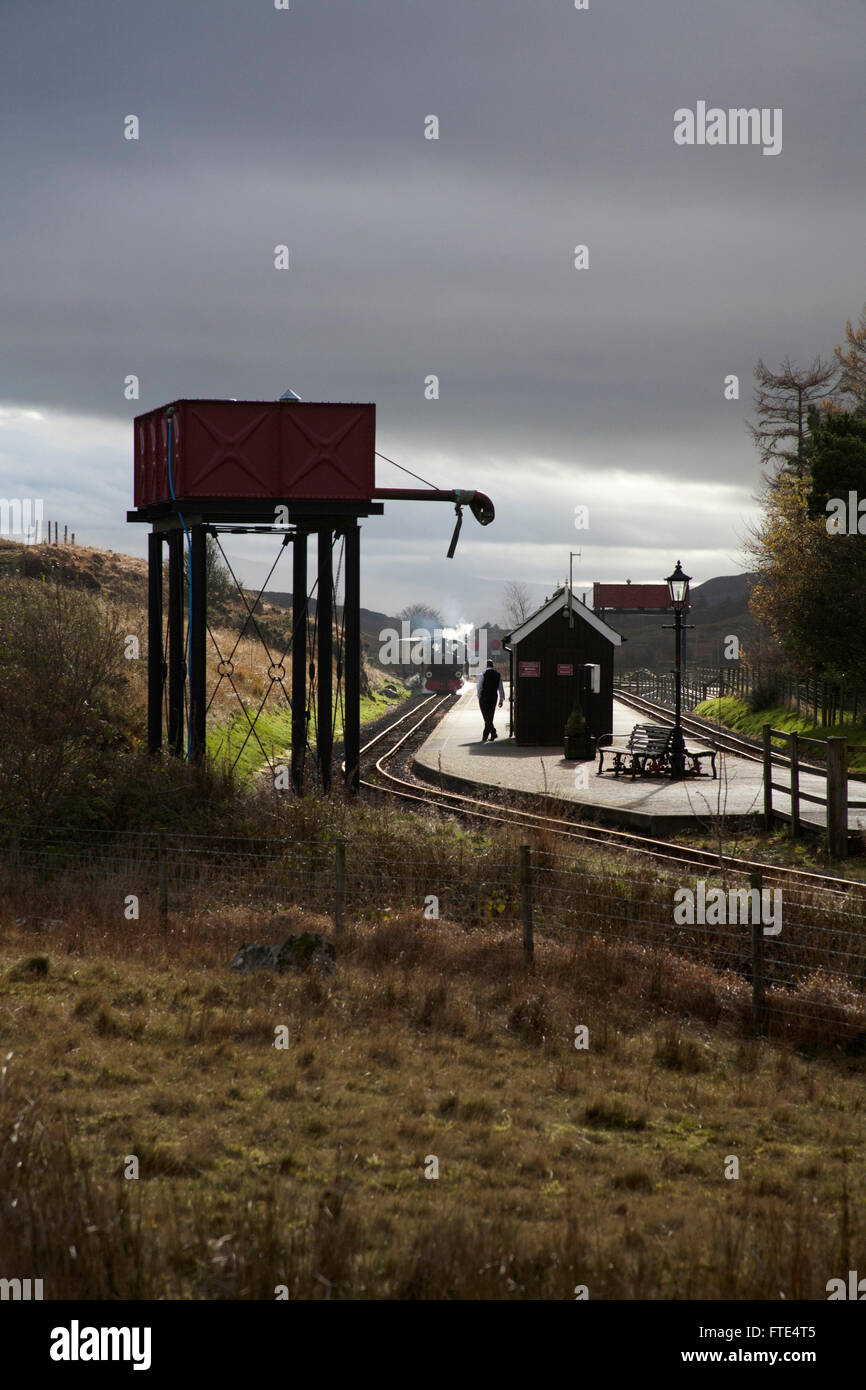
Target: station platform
x,y
454,757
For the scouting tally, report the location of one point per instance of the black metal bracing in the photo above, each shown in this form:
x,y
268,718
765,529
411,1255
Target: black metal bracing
x,y
299,668
176,643
179,636
225,665
155,670
325,633
352,625
197,638
177,665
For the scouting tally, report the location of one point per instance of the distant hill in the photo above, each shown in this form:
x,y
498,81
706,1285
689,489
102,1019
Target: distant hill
x,y
372,622
730,588
720,609
122,581
719,606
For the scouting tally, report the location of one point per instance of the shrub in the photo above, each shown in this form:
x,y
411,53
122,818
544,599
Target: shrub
x,y
766,693
64,702
575,723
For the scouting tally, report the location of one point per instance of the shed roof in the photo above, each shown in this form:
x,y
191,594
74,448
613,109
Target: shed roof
x,y
554,605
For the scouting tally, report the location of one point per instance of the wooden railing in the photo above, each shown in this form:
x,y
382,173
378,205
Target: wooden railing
x,y
826,702
834,773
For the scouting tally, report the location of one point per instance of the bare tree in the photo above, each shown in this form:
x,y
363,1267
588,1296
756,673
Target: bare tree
x,y
419,616
430,617
517,604
220,583
782,401
852,364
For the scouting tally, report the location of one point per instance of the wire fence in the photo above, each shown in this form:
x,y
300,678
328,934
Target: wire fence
x,y
792,958
824,702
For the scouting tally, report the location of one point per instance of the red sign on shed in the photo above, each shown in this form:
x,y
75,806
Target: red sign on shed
x,y
564,668
529,668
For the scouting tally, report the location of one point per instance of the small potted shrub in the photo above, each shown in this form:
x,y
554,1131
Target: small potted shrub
x,y
575,735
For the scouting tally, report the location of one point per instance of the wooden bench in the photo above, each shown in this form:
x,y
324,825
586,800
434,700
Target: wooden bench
x,y
648,749
697,753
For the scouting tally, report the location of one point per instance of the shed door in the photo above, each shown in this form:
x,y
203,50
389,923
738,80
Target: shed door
x,y
564,690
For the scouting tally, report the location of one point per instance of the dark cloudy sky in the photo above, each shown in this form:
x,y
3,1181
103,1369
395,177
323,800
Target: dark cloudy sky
x,y
602,387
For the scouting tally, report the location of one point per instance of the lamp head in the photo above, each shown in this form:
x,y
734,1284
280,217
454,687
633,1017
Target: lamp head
x,y
678,588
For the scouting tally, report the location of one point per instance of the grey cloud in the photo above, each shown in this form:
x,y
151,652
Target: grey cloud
x,y
412,257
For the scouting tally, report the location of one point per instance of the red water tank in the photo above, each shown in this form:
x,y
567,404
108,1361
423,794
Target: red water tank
x,y
255,449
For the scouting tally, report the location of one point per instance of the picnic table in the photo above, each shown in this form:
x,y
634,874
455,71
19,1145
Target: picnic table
x,y
649,751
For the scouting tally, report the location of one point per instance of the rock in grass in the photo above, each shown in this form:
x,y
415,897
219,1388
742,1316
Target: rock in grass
x,y
31,968
299,952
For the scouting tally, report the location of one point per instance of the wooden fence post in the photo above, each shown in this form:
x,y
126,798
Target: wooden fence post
x,y
795,784
162,874
340,888
526,901
768,779
837,798
756,883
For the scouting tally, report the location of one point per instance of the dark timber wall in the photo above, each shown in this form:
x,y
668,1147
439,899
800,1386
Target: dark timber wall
x,y
542,703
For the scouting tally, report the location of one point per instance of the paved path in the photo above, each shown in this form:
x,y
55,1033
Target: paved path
x,y
653,804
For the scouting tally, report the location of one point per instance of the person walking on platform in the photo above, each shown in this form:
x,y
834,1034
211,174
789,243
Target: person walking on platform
x,y
489,686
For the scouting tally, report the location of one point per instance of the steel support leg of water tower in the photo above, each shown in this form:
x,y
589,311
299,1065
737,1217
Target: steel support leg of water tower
x,y
324,660
299,659
352,633
197,641
176,672
155,668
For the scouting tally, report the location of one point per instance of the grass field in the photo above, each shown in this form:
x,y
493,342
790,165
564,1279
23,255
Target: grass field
x,y
304,1166
734,713
233,744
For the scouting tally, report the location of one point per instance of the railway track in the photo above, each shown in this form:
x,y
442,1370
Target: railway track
x,y
476,808
724,739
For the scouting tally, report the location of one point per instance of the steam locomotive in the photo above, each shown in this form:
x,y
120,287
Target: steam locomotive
x,y
447,671
444,677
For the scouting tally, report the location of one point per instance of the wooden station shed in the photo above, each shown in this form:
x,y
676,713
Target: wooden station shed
x,y
549,651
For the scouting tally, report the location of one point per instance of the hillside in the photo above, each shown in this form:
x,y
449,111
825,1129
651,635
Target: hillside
x,y
120,578
372,623
720,608
719,605
118,584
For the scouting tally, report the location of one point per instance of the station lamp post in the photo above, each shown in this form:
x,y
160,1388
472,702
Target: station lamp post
x,y
678,588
